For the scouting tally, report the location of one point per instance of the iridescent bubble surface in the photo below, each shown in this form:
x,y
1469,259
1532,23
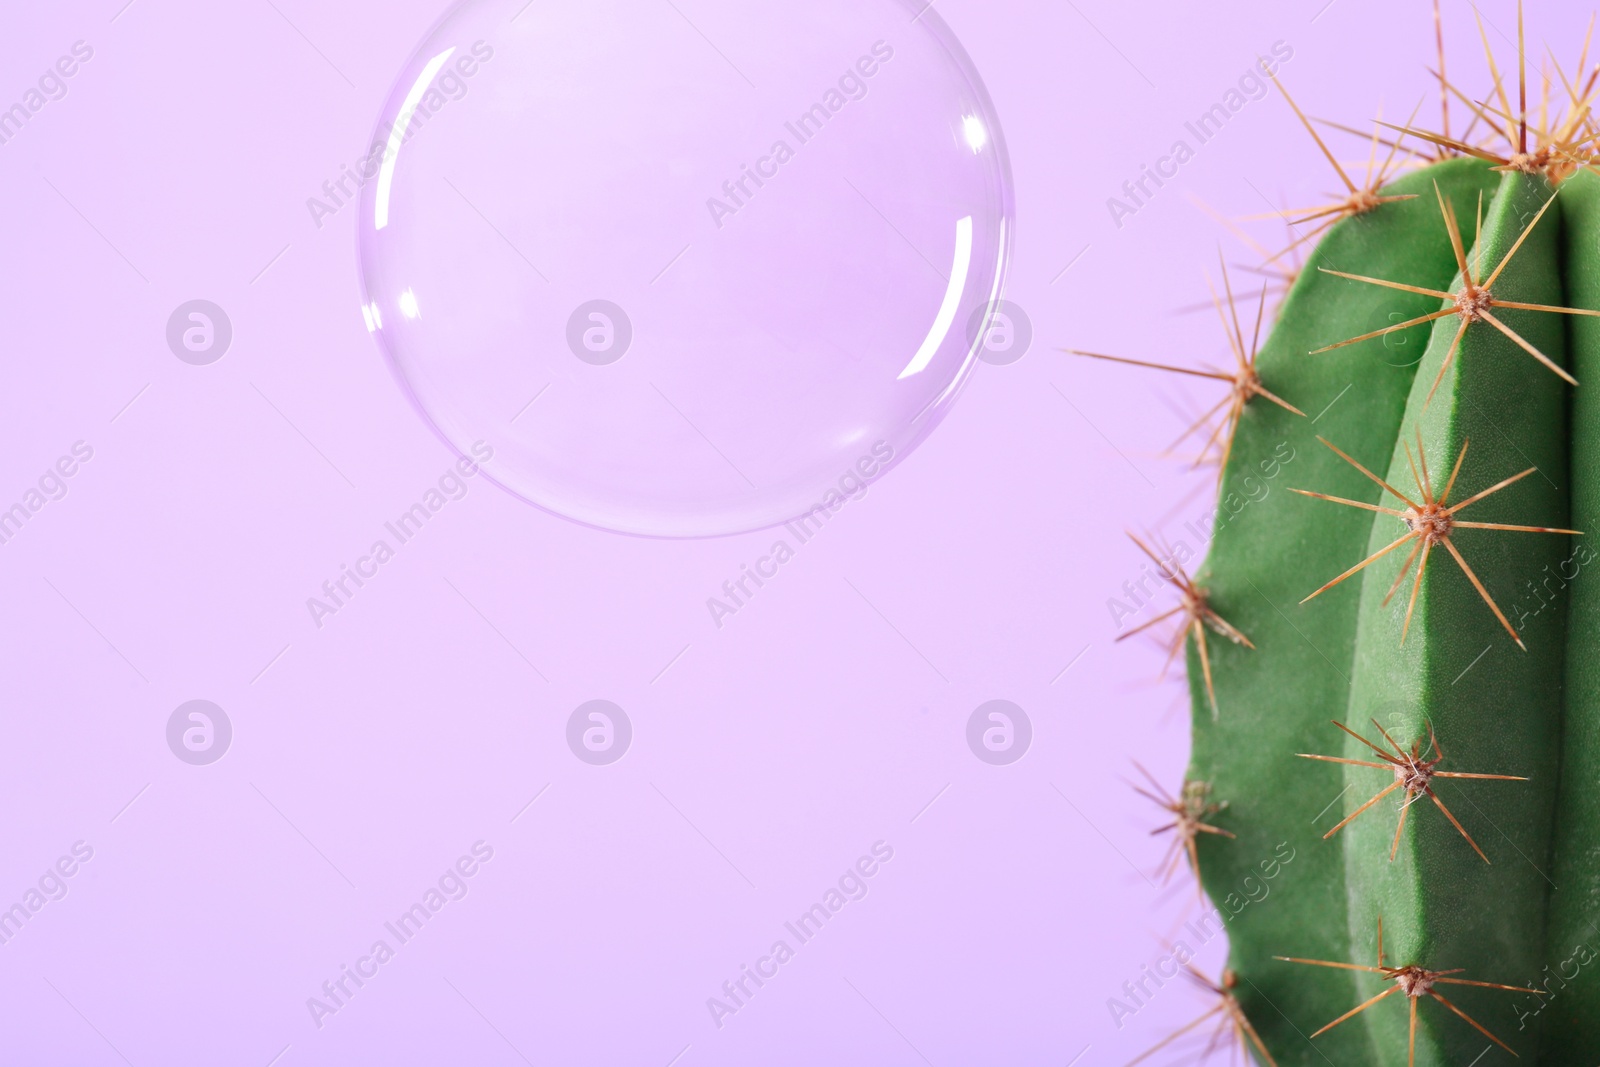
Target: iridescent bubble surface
x,y
690,267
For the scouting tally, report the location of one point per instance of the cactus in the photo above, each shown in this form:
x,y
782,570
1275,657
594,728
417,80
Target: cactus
x,y
1436,337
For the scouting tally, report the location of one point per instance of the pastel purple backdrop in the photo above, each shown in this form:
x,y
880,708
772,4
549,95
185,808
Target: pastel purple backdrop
x,y
768,754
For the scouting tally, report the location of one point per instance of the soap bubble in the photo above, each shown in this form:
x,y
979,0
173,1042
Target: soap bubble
x,y
689,267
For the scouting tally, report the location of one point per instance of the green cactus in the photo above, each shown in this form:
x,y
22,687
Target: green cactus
x,y
1416,713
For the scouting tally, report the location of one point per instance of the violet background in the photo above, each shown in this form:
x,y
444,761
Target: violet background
x,y
767,755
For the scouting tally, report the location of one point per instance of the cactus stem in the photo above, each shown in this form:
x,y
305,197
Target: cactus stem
x,y
1415,982
1414,770
1190,812
1232,1017
1430,523
1198,615
1472,302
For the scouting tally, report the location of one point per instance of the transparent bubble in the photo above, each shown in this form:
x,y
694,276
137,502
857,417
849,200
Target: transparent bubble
x,y
688,267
